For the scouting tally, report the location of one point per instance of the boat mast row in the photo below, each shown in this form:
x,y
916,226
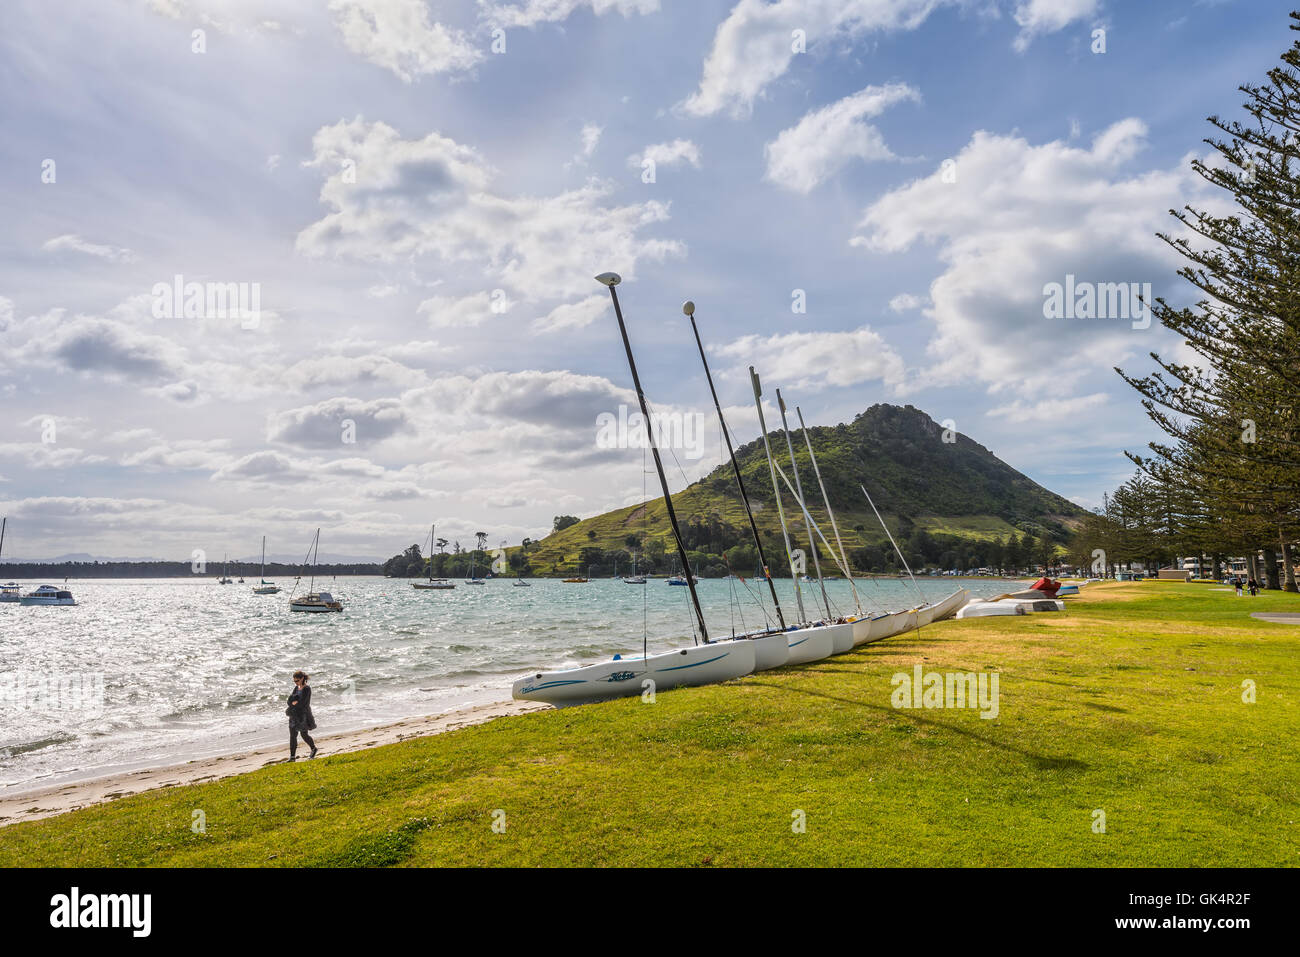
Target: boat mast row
x,y
689,309
610,280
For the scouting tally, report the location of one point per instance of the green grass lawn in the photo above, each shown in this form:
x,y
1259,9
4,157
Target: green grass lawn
x,y
1130,703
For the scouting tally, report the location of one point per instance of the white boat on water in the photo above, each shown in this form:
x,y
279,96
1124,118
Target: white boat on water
x,y
48,595
10,590
314,601
433,584
621,677
265,587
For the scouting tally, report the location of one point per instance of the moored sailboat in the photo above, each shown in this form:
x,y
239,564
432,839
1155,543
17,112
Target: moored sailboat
x,y
313,601
9,591
265,587
433,584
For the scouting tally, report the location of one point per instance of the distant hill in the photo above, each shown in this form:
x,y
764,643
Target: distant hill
x,y
934,494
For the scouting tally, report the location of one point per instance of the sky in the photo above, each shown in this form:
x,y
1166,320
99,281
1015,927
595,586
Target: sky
x,y
868,201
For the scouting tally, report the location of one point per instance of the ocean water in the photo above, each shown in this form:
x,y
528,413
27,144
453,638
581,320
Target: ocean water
x,y
147,673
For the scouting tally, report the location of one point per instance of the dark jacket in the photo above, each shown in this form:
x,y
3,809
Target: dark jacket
x,y
299,710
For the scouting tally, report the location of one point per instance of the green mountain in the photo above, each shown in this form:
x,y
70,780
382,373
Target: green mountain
x,y
949,504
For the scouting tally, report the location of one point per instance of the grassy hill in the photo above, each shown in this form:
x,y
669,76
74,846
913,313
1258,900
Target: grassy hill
x,y
918,480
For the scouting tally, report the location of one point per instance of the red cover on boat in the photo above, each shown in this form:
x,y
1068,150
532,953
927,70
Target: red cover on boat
x,y
1046,586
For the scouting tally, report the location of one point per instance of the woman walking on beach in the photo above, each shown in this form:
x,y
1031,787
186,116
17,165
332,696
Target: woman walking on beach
x,y
300,717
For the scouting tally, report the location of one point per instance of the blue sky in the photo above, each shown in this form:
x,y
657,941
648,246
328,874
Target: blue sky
x,y
422,215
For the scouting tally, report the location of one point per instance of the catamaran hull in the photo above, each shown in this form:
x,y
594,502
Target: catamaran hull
x,y
898,623
867,630
625,677
770,651
809,644
841,637
950,605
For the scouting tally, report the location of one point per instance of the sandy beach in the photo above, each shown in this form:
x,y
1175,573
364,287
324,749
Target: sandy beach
x,y
71,796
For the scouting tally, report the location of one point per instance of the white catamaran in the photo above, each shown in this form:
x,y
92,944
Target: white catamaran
x,y
705,663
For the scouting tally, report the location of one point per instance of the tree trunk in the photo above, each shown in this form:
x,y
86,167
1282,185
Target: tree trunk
x,y
1251,571
1288,569
1270,571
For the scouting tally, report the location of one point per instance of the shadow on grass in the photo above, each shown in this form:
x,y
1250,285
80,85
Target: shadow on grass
x,y
1040,761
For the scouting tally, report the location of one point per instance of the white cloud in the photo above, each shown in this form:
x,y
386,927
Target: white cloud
x,y
398,35
331,423
71,242
447,312
815,360
754,45
573,315
433,196
816,147
1038,17
667,154
905,301
1049,410
531,12
1018,217
591,134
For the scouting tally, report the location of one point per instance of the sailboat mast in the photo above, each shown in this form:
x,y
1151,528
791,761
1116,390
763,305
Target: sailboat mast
x,y
776,490
798,491
432,528
311,582
610,280
3,523
263,559
689,309
827,502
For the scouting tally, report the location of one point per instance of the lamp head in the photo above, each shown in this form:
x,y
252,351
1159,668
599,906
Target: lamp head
x,y
610,279
688,308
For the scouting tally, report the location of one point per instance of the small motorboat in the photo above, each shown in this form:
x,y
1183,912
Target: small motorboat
x,y
576,581
48,595
316,602
634,580
434,584
475,581
10,592
678,580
